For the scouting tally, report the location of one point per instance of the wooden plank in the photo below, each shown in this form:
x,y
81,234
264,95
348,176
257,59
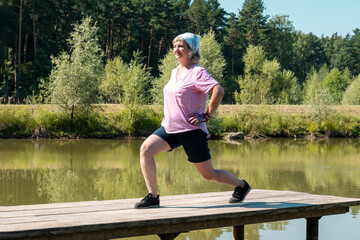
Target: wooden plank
x,y
117,218
49,215
219,201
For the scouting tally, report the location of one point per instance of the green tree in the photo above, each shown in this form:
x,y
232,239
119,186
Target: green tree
x,y
352,93
126,83
116,72
280,40
137,83
264,82
231,43
352,55
7,73
253,22
337,84
205,15
211,56
215,18
334,47
168,63
318,97
308,53
314,87
76,75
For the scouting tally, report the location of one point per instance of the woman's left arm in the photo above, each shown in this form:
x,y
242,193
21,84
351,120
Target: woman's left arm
x,y
217,94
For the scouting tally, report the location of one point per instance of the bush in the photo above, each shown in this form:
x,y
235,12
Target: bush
x,y
16,123
215,125
138,121
143,120
264,82
352,93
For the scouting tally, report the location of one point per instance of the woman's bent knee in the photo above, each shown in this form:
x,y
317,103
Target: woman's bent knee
x,y
210,175
145,149
152,146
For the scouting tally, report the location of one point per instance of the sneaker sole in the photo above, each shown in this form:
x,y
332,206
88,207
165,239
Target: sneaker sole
x,y
244,197
153,206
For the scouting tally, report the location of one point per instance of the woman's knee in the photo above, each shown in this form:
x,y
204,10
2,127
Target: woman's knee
x,y
145,150
209,175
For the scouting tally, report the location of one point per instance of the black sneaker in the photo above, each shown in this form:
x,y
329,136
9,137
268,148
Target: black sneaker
x,y
240,193
148,202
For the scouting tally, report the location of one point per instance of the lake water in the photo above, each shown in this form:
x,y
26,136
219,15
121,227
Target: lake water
x,y
48,171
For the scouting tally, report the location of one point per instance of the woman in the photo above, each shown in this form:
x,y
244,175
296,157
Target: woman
x,y
184,120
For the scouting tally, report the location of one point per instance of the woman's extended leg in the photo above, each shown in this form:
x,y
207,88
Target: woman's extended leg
x,y
242,188
217,175
150,147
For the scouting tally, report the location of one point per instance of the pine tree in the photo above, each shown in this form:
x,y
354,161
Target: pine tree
x,y
352,49
253,22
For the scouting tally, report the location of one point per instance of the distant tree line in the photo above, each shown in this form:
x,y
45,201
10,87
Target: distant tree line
x,y
135,35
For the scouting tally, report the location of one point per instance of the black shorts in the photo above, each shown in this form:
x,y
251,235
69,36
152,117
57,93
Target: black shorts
x,y
195,143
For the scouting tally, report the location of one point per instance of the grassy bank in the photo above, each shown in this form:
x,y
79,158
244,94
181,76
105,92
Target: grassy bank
x,y
116,121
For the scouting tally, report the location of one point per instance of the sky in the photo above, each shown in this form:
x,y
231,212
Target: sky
x,y
321,17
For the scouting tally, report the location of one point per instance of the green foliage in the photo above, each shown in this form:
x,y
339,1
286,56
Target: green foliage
x,y
76,75
309,54
280,40
253,121
352,93
204,15
168,63
264,82
16,123
319,97
337,84
137,83
334,47
138,121
115,74
215,125
265,121
211,56
149,26
126,83
7,72
314,91
261,121
352,49
322,89
253,21
232,47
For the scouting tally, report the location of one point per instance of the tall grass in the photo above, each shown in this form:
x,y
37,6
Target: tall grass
x,y
21,123
267,121
140,121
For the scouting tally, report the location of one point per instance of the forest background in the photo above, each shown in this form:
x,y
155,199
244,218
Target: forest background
x,y
257,59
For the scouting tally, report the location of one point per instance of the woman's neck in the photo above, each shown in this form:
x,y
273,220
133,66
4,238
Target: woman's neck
x,y
186,65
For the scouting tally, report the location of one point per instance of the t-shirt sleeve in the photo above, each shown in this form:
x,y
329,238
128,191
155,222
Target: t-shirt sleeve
x,y
204,81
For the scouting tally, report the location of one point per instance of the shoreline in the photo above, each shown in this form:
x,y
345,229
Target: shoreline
x,y
114,121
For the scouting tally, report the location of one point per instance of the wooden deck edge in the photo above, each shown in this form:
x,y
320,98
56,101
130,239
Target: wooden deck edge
x,y
109,231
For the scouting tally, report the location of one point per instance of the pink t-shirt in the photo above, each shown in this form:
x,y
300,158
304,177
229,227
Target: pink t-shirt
x,y
186,96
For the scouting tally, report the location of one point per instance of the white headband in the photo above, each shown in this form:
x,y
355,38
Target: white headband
x,y
192,40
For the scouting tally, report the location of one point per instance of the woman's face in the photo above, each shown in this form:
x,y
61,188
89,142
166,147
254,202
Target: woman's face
x,y
182,51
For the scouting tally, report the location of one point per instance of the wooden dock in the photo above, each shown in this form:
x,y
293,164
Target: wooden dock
x,y
100,220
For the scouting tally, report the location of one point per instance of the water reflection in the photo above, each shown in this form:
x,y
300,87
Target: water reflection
x,y
46,171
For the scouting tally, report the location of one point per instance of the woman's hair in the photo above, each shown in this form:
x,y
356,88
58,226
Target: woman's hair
x,y
195,57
